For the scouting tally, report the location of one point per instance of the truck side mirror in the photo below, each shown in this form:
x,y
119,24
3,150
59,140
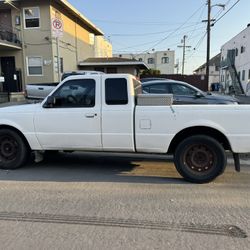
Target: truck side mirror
x,y
50,102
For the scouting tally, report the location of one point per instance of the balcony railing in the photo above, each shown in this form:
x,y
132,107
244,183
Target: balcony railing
x,y
10,36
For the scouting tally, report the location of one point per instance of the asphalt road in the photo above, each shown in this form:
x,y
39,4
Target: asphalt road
x,y
95,201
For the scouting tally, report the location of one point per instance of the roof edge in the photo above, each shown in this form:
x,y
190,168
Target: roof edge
x,y
81,16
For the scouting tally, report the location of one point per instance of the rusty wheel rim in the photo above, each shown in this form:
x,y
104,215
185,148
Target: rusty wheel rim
x,y
200,158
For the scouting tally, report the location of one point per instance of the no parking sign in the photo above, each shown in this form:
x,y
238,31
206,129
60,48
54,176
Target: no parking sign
x,y
57,27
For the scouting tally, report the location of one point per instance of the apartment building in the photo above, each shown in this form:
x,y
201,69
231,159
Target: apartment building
x,y
235,63
41,39
214,70
159,60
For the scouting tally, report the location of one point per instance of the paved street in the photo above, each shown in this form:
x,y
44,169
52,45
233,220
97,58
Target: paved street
x,y
89,201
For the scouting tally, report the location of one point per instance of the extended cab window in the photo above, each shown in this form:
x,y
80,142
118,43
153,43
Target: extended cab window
x,y
116,91
76,94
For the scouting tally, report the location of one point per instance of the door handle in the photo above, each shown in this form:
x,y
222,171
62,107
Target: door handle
x,y
90,115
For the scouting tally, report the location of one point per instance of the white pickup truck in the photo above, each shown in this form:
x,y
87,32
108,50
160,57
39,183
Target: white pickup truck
x,y
107,113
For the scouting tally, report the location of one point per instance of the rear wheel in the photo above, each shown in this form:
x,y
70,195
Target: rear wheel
x,y
200,159
13,150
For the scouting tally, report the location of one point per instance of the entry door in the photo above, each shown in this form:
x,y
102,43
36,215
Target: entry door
x,y
74,122
8,71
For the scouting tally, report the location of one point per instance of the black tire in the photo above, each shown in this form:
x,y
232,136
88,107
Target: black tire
x,y
200,159
13,150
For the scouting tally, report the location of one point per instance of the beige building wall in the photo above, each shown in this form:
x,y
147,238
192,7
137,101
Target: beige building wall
x,y
75,44
103,48
37,42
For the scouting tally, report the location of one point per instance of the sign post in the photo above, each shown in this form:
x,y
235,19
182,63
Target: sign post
x,y
57,32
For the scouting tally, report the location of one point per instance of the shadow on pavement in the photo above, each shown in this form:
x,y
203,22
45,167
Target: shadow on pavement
x,y
91,167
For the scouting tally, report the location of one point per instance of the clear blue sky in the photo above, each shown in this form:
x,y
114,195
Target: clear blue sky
x,y
135,26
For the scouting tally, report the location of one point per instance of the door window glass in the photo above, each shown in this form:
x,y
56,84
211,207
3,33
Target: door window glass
x,y
159,89
76,94
179,89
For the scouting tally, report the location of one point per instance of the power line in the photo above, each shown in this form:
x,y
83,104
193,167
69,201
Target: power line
x,y
197,45
227,11
163,39
142,23
153,33
200,18
176,35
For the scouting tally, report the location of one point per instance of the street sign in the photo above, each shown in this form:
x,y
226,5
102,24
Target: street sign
x,y
57,27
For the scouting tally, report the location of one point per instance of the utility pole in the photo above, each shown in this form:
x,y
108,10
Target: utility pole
x,y
208,40
184,46
209,20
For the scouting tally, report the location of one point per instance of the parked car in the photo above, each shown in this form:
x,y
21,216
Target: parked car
x,y
185,93
77,73
152,79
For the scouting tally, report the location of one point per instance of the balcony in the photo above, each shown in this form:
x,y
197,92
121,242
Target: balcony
x,y
10,39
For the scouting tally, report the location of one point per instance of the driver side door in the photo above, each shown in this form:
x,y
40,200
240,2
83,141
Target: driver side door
x,y
74,121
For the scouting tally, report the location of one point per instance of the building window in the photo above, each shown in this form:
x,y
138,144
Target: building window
x,y
236,52
222,78
31,17
249,74
243,75
111,70
239,74
35,66
140,59
91,39
61,65
164,60
100,69
242,49
150,60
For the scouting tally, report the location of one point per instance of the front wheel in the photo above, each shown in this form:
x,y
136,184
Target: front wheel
x,y
200,159
13,150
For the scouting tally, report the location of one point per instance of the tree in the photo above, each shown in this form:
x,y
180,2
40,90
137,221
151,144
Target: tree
x,y
151,72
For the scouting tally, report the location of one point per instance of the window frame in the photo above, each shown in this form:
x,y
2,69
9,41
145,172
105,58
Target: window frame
x,y
152,59
243,75
165,60
27,62
24,18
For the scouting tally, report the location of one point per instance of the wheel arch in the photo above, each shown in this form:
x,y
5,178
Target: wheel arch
x,y
18,132
199,130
